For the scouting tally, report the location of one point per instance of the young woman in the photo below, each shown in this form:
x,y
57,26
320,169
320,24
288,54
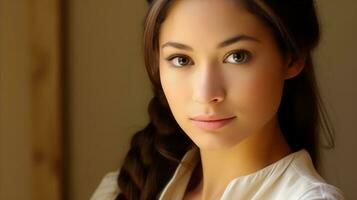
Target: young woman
x,y
236,110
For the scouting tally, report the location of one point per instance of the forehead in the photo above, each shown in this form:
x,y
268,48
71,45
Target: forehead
x,y
208,22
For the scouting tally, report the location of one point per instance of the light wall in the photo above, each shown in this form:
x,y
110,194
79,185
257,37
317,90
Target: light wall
x,y
30,100
15,157
109,90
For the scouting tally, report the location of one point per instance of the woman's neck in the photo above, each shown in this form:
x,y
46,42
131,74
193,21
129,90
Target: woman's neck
x,y
219,167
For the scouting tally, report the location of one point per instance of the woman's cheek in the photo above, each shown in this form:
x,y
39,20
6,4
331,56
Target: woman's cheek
x,y
176,94
261,95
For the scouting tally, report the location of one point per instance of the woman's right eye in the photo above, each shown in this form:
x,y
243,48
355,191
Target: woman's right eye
x,y
179,60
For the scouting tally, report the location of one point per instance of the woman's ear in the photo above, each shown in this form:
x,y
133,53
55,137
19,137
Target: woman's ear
x,y
294,67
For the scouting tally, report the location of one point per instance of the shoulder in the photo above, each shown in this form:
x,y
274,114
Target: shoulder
x,y
107,188
322,191
307,182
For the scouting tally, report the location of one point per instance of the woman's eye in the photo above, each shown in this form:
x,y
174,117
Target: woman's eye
x,y
237,57
179,60
240,56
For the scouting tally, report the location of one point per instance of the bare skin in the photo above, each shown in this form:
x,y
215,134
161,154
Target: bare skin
x,y
211,82
272,147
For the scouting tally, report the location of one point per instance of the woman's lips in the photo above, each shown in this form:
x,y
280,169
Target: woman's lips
x,y
213,124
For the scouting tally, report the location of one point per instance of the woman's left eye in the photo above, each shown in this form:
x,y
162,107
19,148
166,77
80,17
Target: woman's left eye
x,y
238,57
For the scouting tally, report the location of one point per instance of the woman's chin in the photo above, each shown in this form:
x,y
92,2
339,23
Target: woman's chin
x,y
214,142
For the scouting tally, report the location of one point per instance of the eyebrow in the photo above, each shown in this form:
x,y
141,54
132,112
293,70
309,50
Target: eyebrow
x,y
220,45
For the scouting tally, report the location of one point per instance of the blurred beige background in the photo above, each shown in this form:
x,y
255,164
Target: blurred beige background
x,y
105,92
109,90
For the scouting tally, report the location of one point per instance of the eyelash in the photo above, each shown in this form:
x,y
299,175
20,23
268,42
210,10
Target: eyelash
x,y
246,54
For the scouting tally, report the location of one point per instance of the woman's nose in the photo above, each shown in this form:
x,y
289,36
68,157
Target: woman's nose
x,y
208,86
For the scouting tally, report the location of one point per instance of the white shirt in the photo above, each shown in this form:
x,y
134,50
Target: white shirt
x,y
293,177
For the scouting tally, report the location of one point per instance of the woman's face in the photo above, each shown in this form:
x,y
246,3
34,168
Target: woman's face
x,y
201,75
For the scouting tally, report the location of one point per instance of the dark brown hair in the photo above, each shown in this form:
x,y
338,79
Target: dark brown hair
x,y
156,150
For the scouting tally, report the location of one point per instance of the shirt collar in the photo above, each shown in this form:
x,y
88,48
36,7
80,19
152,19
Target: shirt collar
x,y
176,187
174,190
